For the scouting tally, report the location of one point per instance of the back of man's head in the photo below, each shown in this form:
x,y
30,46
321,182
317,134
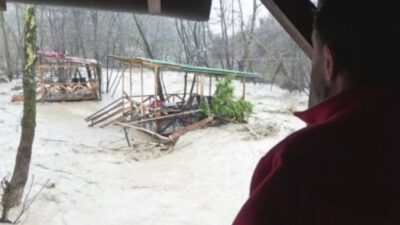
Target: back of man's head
x,y
364,36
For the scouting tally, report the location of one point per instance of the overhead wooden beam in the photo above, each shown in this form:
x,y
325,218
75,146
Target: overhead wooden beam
x,y
185,9
296,17
154,6
3,5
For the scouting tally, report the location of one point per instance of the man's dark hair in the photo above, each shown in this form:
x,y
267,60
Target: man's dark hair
x,y
364,36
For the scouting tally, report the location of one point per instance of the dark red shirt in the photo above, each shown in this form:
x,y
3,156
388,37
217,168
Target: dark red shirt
x,y
342,169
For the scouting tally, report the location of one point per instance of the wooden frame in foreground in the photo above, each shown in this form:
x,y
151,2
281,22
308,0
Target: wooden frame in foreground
x,y
3,5
296,17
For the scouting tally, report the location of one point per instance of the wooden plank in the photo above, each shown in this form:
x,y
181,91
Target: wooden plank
x,y
296,17
144,130
102,109
154,6
165,117
107,117
106,112
174,137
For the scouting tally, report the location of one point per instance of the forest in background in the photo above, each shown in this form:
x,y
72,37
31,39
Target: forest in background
x,y
232,39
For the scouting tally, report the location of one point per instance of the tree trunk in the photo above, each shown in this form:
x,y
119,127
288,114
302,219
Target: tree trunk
x,y
8,68
78,21
15,188
224,33
247,37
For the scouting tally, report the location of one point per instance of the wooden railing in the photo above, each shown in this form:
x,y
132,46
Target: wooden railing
x,y
68,91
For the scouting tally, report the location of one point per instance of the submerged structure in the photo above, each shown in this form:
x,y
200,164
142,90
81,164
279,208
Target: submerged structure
x,y
162,112
66,78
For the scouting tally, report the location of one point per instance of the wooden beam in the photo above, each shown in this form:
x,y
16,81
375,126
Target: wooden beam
x,y
296,17
154,6
3,5
130,91
123,94
174,137
184,9
164,117
141,90
144,130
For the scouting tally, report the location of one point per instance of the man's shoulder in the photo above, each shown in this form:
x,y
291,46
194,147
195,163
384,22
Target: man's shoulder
x,y
307,140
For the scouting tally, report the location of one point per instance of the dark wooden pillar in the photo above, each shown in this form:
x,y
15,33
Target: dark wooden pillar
x,y
296,17
3,5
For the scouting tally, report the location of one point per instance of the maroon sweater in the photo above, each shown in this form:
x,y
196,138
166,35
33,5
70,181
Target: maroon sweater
x,y
342,169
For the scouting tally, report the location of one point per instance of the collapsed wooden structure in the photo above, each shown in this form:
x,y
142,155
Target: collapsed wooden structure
x,y
66,78
159,112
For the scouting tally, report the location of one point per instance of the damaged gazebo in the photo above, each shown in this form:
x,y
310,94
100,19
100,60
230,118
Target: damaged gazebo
x,y
66,78
161,112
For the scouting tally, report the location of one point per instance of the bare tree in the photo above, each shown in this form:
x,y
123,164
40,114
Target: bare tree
x,y
79,43
247,36
14,189
193,38
224,34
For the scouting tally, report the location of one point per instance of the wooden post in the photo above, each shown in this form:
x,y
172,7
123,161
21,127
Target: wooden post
x,y
96,80
94,73
3,5
154,6
156,73
244,88
130,91
210,86
41,80
108,78
123,94
197,84
201,87
156,88
141,90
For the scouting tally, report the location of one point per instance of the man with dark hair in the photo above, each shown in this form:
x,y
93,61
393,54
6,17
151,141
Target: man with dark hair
x,y
343,168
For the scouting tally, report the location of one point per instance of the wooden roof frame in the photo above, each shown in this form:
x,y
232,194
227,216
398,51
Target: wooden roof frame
x,y
178,67
296,17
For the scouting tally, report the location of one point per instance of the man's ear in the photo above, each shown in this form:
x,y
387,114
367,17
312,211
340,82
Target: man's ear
x,y
330,64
